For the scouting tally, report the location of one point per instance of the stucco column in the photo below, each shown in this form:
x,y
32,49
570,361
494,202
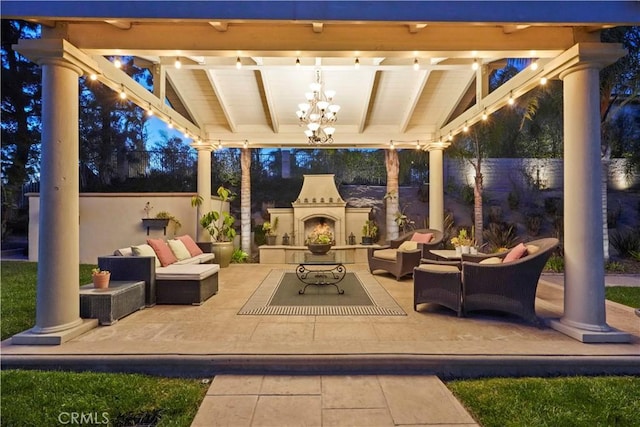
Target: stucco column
x,y
436,185
204,186
584,300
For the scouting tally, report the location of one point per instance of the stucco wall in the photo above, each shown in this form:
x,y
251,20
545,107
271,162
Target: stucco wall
x,y
112,221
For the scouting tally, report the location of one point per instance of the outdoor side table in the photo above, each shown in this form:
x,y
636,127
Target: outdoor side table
x,y
108,305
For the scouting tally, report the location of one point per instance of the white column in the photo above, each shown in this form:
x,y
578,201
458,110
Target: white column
x,y
57,299
436,185
584,300
204,186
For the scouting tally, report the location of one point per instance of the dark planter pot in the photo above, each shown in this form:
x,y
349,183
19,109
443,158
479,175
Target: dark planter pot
x,y
318,248
367,240
223,252
271,240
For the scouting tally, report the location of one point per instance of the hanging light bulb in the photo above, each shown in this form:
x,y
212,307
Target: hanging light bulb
x,y
475,64
238,63
170,124
534,65
123,94
543,81
484,115
465,128
511,100
357,64
93,77
450,136
416,65
298,63
149,111
117,63
177,64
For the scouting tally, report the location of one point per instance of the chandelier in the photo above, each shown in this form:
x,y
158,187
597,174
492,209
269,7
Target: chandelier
x,y
318,113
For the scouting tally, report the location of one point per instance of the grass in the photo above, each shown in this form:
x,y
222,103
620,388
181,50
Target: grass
x,y
18,295
623,295
37,398
557,402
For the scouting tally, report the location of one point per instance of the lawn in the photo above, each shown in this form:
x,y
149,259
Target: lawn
x,y
37,398
553,402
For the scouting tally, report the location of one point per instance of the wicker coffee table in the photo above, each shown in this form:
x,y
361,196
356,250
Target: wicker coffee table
x,y
109,305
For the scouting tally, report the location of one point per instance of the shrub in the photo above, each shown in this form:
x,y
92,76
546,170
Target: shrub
x,y
625,242
466,193
614,267
239,256
613,215
500,235
553,206
495,214
533,222
513,199
555,263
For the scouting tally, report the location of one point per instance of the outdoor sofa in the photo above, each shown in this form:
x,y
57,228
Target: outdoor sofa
x,y
191,279
401,255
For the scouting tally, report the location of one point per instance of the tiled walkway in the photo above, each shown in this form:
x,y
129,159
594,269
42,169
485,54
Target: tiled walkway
x,y
332,370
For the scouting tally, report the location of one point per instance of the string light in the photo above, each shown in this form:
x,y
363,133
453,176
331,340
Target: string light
x,y
475,64
543,81
392,146
511,100
450,136
465,128
123,94
484,114
178,64
93,77
117,63
357,64
534,65
238,63
149,111
416,65
298,63
170,124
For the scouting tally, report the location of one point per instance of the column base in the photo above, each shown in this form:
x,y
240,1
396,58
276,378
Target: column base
x,y
29,337
590,337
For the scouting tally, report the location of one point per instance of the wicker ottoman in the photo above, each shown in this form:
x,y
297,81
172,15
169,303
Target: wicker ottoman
x,y
439,284
108,305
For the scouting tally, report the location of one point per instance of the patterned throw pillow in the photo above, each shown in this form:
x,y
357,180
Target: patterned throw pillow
x,y
145,250
408,246
190,244
163,251
179,249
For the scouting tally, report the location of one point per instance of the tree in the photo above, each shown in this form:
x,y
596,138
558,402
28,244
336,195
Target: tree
x,y
392,165
21,89
245,199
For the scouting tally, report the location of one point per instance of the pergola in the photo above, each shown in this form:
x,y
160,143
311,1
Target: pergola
x,y
417,75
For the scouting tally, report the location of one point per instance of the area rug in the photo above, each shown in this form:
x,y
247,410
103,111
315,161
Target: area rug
x,y
363,296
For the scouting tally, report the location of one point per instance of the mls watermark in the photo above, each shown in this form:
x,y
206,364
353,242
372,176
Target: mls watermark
x,y
83,418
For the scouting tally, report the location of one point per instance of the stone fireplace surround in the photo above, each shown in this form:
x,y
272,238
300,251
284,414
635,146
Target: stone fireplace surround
x,y
318,201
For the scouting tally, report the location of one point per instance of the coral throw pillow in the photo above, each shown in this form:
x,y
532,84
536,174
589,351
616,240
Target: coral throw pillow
x,y
516,253
163,251
422,237
190,244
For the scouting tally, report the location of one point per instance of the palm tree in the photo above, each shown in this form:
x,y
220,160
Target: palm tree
x,y
245,199
393,167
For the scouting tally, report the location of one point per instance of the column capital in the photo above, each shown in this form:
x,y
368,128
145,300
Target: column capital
x,y
592,55
437,146
202,146
57,52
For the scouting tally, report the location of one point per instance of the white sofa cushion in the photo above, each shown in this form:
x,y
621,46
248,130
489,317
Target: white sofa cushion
x,y
198,259
390,254
186,272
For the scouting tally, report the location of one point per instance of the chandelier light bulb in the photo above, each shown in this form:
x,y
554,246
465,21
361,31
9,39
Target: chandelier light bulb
x,y
313,126
329,94
322,105
308,133
329,130
304,107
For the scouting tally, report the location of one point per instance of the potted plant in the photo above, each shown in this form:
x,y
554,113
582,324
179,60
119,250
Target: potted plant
x,y
100,278
219,225
462,242
172,219
320,241
369,232
269,229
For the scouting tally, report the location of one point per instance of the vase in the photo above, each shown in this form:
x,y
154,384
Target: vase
x,y
464,249
223,252
101,281
458,250
473,250
319,248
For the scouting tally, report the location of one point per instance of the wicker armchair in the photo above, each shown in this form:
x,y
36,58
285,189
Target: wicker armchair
x,y
506,287
400,263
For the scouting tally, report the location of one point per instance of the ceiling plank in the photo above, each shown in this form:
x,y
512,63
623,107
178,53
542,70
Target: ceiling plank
x,y
215,86
369,100
415,96
267,99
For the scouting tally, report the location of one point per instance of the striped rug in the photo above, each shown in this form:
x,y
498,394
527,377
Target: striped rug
x,y
278,295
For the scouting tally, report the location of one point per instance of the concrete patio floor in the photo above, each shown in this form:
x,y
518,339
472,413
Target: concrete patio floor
x,y
212,339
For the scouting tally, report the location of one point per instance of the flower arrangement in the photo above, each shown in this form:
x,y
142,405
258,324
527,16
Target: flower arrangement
x,y
270,228
100,278
462,239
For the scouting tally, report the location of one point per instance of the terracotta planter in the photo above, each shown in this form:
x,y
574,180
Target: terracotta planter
x,y
101,281
319,248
